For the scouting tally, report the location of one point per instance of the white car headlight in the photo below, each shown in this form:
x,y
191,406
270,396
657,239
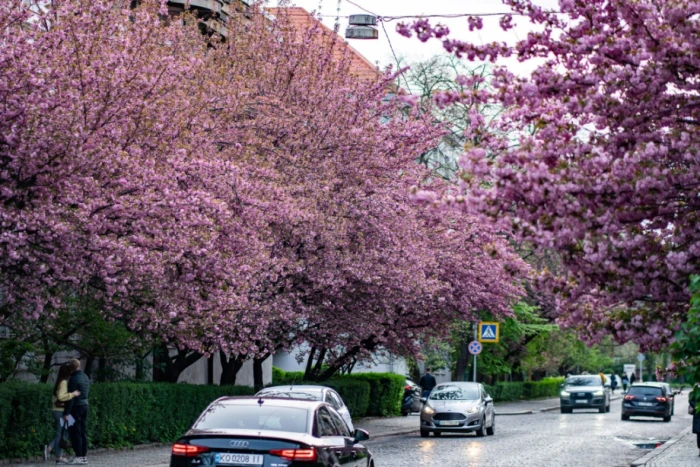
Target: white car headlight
x,y
473,410
565,393
428,410
599,393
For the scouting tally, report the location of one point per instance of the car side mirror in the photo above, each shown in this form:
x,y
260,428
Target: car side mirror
x,y
488,400
360,435
423,400
561,386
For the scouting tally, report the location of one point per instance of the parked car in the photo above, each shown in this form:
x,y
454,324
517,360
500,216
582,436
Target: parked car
x,y
584,392
411,402
252,431
314,393
670,392
647,400
458,407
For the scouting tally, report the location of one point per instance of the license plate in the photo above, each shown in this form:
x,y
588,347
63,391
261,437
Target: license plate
x,y
581,401
450,423
226,458
646,404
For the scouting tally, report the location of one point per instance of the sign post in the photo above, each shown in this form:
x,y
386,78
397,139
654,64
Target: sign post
x,y
641,358
475,354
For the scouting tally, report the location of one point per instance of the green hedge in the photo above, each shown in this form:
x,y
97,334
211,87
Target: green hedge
x,y
507,392
120,414
386,392
366,394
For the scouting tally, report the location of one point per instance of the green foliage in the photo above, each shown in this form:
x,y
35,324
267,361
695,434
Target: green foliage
x,y
507,392
386,392
685,349
355,394
120,414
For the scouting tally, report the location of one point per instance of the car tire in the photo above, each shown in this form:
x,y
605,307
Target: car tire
x,y
563,410
667,419
437,434
607,408
624,417
492,429
424,433
405,414
481,431
601,409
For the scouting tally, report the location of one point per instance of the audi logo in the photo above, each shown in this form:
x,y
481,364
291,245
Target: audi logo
x,y
239,444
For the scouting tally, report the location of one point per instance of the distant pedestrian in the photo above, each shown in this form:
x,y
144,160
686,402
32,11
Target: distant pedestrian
x,y
78,409
694,401
602,377
427,383
625,382
633,379
613,382
60,397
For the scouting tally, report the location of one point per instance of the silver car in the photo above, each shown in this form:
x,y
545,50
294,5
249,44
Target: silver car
x,y
313,393
458,408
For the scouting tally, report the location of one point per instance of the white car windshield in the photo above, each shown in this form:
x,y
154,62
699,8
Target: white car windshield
x,y
583,381
453,392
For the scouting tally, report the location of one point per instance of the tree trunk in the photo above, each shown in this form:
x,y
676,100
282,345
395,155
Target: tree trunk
x,y
88,366
462,363
258,372
167,368
46,367
230,366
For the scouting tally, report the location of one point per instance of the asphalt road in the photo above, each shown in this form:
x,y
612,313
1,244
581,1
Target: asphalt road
x,y
584,438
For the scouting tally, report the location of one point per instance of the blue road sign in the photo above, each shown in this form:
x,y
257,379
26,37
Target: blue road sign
x,y
488,332
474,348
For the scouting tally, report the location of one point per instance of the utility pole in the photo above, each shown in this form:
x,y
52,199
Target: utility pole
x,y
476,326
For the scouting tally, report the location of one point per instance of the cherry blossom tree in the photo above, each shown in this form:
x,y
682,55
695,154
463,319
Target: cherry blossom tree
x,y
604,169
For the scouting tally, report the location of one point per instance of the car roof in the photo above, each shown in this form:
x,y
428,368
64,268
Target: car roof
x,y
295,387
459,383
274,401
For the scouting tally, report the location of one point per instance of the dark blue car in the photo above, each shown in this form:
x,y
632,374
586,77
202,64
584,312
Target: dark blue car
x,y
269,432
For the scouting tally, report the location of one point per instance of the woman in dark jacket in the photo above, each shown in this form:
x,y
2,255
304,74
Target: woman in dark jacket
x,y
694,399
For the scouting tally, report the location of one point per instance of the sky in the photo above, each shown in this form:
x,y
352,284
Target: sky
x,y
379,51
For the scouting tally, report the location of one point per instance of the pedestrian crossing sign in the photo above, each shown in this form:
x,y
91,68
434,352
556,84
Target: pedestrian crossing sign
x,y
488,332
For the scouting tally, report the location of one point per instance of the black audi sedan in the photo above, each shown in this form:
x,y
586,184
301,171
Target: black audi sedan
x,y
251,431
647,400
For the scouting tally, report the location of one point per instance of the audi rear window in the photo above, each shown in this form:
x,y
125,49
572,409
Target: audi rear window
x,y
253,417
645,391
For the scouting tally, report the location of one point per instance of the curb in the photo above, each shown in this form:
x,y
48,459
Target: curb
x,y
393,433
654,453
524,412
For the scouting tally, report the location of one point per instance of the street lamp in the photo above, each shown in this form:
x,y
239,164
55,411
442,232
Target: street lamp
x,y
362,27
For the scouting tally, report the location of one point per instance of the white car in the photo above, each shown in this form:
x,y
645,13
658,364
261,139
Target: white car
x,y
314,393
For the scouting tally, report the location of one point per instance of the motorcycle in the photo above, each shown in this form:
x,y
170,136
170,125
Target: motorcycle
x,y
411,400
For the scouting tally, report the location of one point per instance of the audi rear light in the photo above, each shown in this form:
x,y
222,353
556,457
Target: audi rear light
x,y
301,455
661,399
630,398
188,450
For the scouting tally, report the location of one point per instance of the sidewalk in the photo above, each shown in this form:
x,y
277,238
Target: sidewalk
x,y
680,451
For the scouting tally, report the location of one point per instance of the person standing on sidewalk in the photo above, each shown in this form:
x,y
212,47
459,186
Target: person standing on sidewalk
x,y
625,382
427,383
78,409
694,401
60,397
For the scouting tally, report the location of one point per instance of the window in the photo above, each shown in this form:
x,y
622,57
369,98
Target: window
x,y
253,417
340,424
645,391
453,392
335,401
326,427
